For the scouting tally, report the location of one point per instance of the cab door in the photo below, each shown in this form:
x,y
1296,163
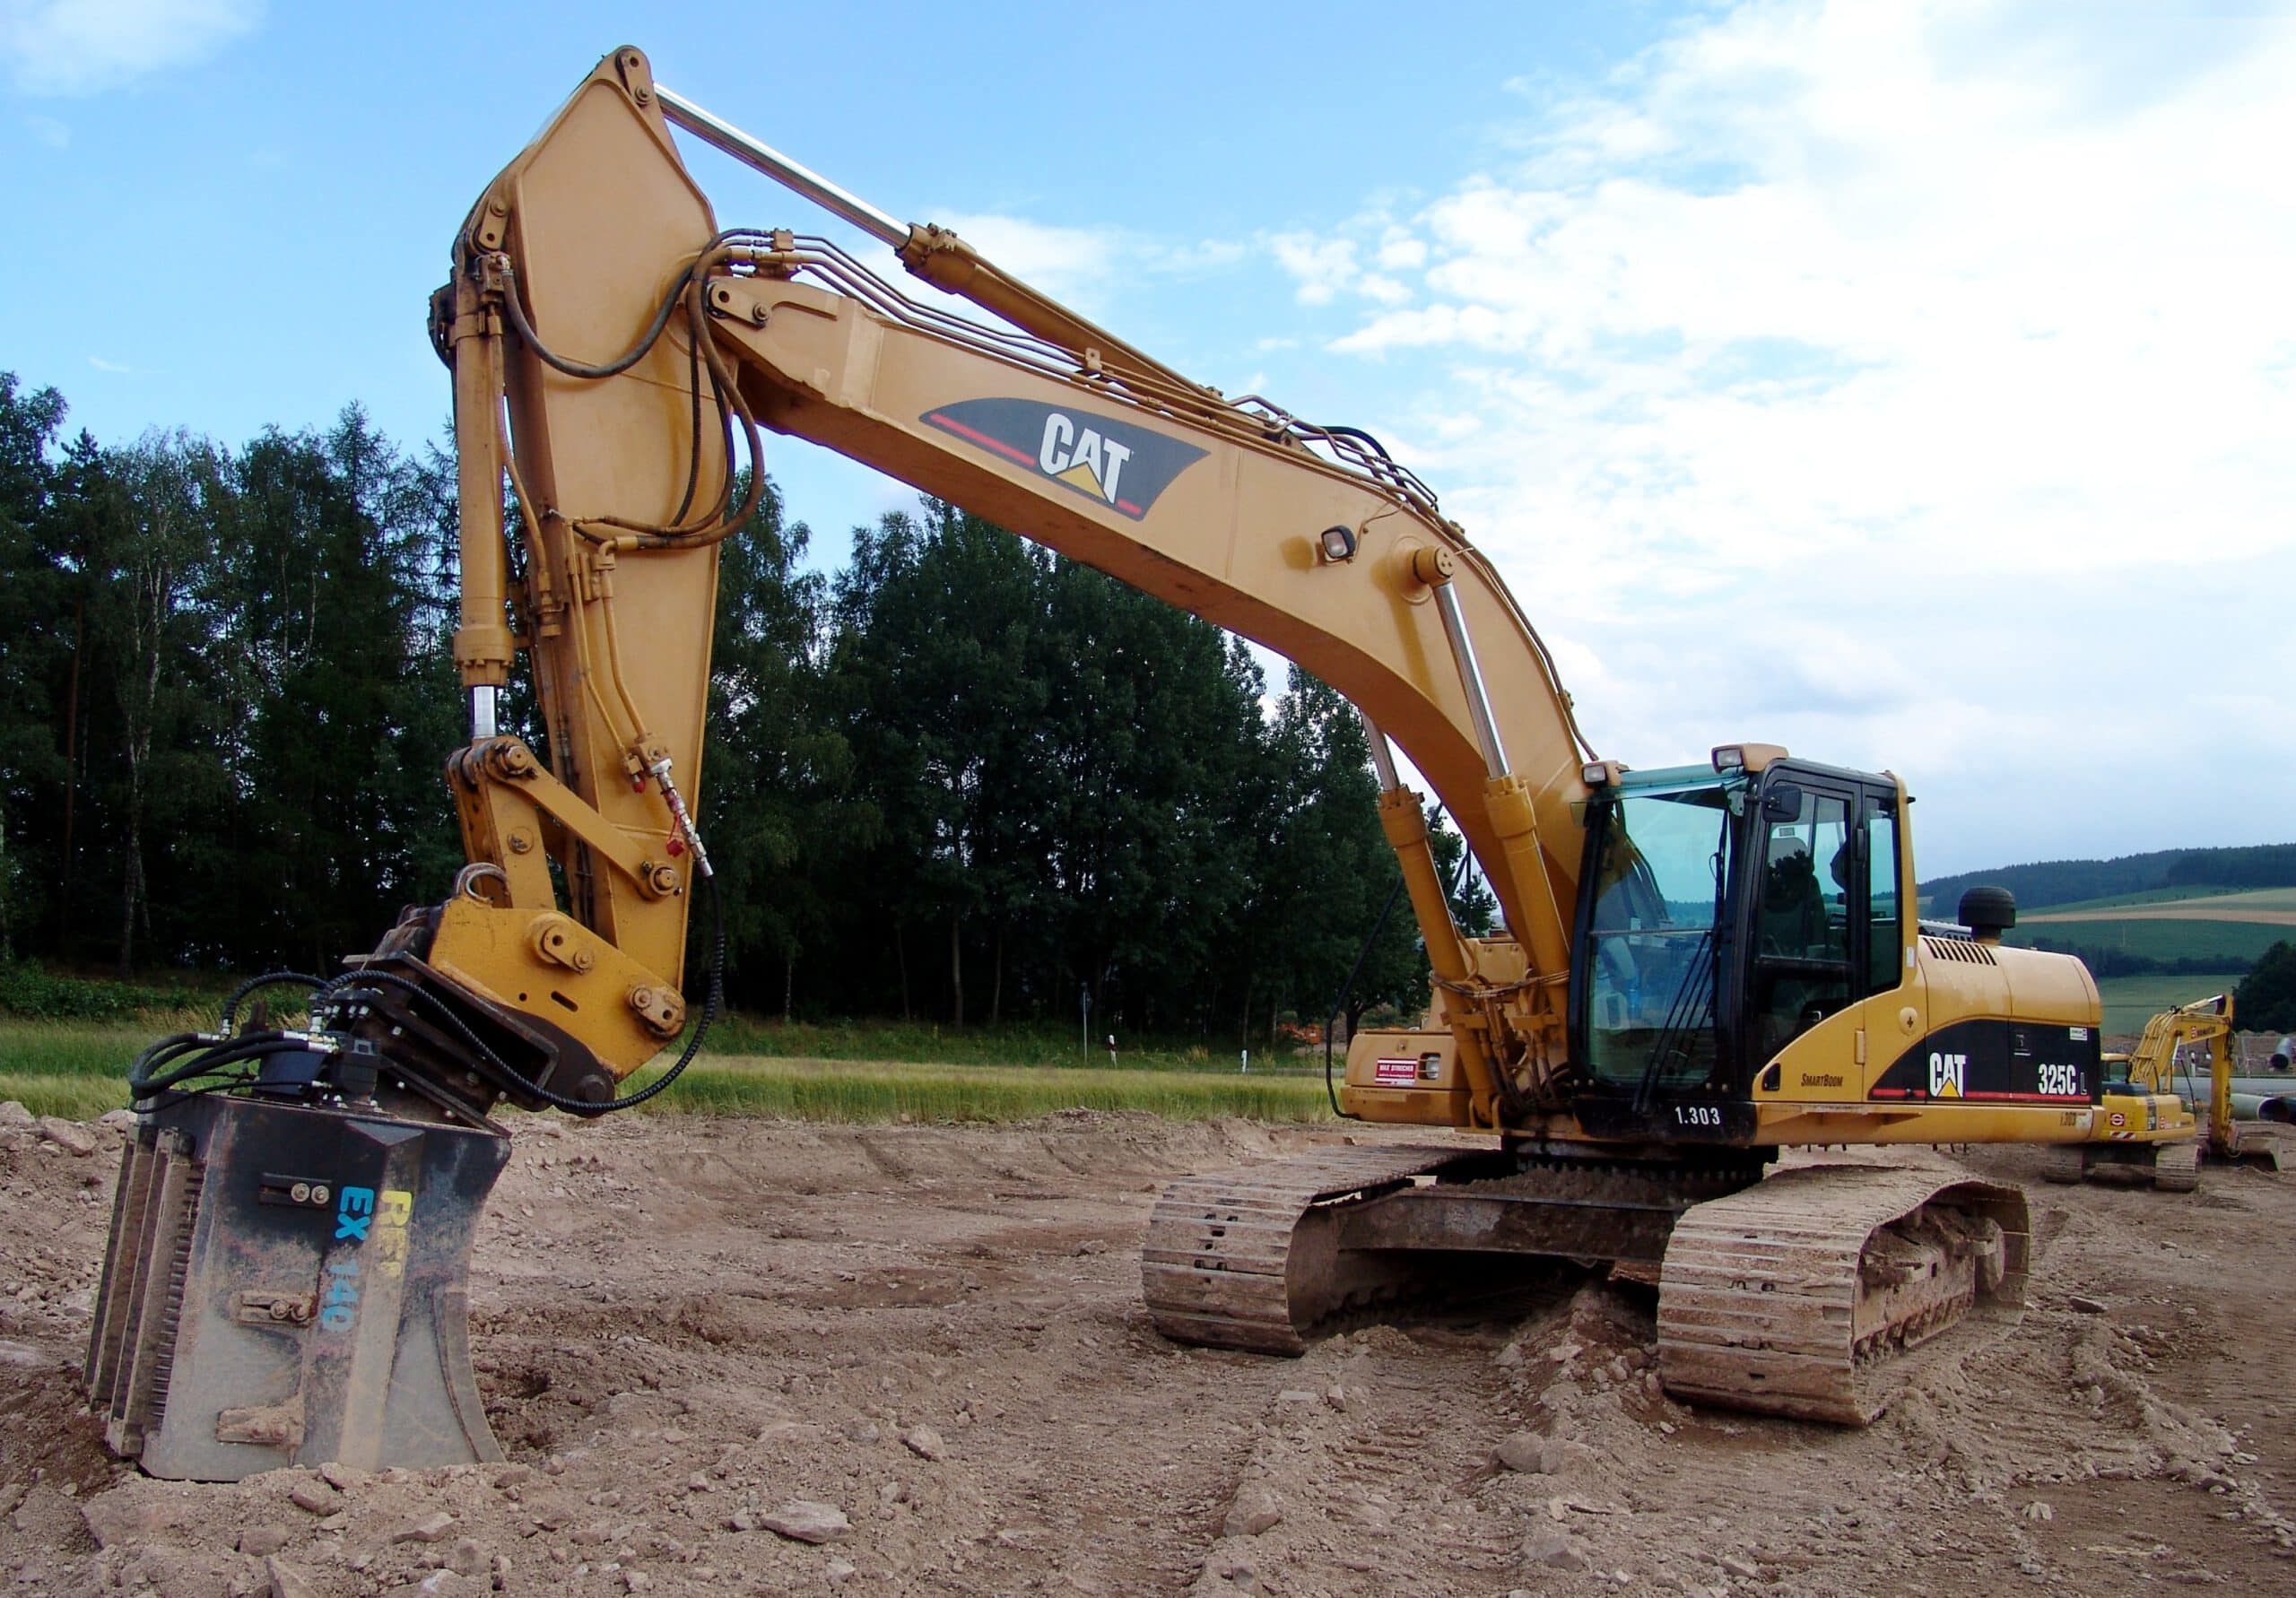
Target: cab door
x,y
1802,917
1893,1012
1831,1001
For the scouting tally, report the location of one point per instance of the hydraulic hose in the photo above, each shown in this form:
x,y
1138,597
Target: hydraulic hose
x,y
710,1009
578,368
649,536
207,1055
268,979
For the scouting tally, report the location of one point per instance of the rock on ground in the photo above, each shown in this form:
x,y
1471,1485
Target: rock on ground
x,y
68,1136
804,1521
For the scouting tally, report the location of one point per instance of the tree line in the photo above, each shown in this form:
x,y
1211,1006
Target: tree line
x,y
2265,1000
2049,882
959,778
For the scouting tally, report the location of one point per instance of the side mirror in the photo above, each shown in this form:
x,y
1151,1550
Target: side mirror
x,y
1782,802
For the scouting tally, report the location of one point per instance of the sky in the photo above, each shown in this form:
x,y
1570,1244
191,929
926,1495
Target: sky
x,y
1913,385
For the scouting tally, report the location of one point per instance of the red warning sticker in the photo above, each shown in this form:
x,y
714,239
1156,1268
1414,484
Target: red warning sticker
x,y
1397,1073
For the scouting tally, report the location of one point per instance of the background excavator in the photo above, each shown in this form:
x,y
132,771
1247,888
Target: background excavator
x,y
1699,965
2145,1128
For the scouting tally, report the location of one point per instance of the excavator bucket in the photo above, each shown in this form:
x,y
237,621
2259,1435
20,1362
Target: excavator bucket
x,y
285,1285
2247,1146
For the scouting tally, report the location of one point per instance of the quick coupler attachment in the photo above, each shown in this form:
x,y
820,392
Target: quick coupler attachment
x,y
285,1285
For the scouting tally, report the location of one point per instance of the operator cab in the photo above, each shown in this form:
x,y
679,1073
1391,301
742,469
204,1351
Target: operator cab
x,y
1723,911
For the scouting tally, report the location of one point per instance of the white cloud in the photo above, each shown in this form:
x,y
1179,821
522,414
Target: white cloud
x,y
1379,286
1875,275
1326,266
80,46
1870,375
113,367
48,131
1321,266
1400,252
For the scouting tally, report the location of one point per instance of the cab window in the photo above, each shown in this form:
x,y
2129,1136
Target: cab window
x,y
1885,920
1660,868
1802,968
1807,867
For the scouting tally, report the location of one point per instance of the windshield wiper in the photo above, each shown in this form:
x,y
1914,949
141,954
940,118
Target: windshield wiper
x,y
1692,1003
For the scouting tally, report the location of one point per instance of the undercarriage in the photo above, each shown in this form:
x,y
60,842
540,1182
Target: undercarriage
x,y
1800,1294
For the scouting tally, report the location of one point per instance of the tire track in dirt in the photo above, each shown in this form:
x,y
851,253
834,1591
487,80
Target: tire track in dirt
x,y
1373,1455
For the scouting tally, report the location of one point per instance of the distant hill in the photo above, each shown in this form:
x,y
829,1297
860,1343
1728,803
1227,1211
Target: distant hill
x,y
2187,913
2071,882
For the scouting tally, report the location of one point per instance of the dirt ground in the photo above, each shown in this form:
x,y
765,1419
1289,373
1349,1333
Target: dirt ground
x,y
684,1325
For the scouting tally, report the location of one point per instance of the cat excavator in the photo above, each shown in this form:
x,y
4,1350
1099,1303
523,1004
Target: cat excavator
x,y
2145,1129
1699,966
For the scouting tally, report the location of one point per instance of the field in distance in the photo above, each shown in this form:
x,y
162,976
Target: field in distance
x,y
2129,1002
78,1070
2219,929
2226,904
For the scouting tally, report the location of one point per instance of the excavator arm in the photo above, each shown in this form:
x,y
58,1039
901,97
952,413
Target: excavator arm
x,y
597,298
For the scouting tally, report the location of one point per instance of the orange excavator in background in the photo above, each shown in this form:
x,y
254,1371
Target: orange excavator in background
x,y
1699,965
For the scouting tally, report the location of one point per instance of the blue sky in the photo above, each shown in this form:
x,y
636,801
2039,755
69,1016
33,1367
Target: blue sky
x,y
1914,384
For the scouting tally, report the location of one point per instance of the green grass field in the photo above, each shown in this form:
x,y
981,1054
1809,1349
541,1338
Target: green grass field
x,y
78,1069
2233,942
2206,898
2150,895
870,1070
2131,1001
75,1069
894,1090
924,1043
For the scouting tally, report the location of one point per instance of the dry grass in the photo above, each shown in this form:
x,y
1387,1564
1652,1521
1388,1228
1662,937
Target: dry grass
x,y
79,1069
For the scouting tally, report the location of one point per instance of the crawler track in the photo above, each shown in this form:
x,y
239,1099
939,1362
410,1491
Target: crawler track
x,y
2166,1167
2176,1166
1240,1260
1805,1295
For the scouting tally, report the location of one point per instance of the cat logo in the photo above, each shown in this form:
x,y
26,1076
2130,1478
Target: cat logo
x,y
1123,466
1080,458
1949,1076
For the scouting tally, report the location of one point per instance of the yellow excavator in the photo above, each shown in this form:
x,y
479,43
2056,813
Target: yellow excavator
x,y
2145,1130
1699,965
